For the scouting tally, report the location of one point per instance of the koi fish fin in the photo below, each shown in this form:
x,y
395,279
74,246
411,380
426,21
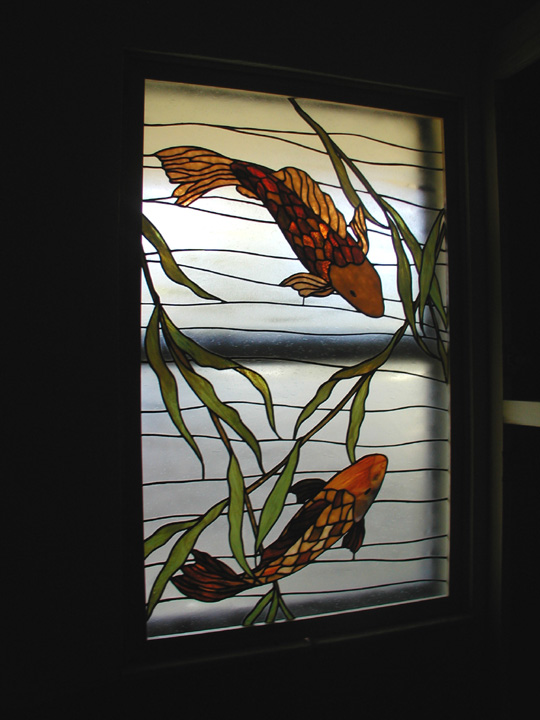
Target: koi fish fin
x,y
358,226
307,489
248,193
304,518
208,579
355,537
196,170
311,194
307,284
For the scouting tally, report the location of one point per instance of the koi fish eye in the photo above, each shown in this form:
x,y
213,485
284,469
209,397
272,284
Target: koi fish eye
x,y
352,293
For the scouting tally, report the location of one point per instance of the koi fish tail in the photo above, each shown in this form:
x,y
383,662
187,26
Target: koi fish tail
x,y
196,170
209,579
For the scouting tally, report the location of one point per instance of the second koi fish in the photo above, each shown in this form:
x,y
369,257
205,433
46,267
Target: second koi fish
x,y
313,226
331,511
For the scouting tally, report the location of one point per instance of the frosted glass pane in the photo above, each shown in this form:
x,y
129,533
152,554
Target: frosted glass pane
x,y
250,385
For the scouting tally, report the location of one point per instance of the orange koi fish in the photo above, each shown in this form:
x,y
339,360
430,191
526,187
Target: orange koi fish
x,y
331,510
313,226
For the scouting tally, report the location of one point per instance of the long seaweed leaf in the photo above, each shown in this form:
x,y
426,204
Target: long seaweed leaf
x,y
358,411
416,252
257,610
167,382
430,254
168,263
274,605
204,390
206,358
404,276
163,534
274,502
179,553
362,368
236,512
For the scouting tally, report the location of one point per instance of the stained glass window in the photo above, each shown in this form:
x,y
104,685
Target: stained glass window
x,y
295,390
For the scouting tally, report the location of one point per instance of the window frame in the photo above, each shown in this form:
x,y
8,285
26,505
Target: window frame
x,y
468,516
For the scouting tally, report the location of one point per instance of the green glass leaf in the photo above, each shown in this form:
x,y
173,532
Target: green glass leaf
x,y
411,242
163,534
285,610
167,382
168,263
416,251
435,291
204,390
429,259
236,512
322,394
180,552
257,610
404,277
356,418
260,384
404,283
273,506
274,605
362,368
206,358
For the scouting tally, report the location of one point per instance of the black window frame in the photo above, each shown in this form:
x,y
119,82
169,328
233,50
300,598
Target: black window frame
x,y
469,551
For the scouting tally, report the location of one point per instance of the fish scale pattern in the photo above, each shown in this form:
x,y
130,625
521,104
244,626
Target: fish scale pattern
x,y
314,241
335,520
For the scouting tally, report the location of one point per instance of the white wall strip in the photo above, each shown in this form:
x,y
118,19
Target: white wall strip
x,y
518,412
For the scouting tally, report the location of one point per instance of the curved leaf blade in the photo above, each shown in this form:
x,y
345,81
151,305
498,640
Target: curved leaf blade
x,y
404,277
167,382
179,553
168,263
273,506
429,259
272,612
236,512
322,394
260,384
206,358
163,534
356,418
416,251
362,368
257,610
285,610
204,390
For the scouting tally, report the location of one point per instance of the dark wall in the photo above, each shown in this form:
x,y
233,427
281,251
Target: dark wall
x,y
520,259
516,121
65,279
